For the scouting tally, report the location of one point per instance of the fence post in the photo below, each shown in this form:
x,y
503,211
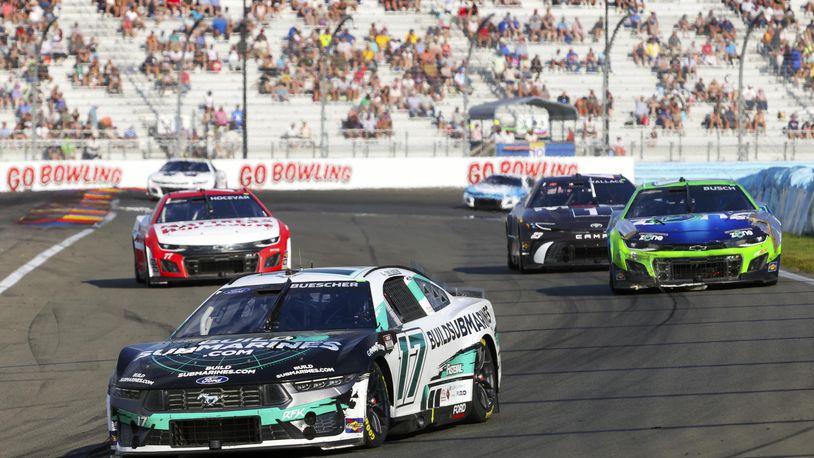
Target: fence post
x,y
709,151
632,147
718,152
671,151
406,143
746,155
756,137
680,148
793,149
785,150
641,144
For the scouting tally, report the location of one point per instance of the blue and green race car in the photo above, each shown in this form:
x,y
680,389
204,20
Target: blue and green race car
x,y
692,234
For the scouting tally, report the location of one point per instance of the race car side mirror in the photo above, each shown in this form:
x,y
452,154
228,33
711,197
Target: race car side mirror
x,y
626,229
763,207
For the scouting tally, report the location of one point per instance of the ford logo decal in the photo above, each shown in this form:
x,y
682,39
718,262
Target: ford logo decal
x,y
698,248
212,380
596,225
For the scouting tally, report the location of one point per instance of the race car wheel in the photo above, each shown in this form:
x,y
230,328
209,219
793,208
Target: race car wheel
x,y
136,271
377,415
147,280
509,258
612,281
484,386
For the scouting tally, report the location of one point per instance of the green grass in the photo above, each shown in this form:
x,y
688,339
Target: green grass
x,y
798,252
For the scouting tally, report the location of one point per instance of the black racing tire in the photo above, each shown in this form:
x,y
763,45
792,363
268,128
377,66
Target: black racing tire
x,y
136,271
509,258
148,282
521,265
377,410
612,282
484,385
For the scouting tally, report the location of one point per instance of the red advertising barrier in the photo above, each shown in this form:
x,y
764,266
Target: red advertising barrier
x,y
259,175
478,170
61,175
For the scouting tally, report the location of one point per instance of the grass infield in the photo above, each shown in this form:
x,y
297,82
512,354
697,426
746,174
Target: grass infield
x,y
798,252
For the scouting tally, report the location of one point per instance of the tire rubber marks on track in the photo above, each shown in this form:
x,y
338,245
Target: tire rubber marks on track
x,y
40,259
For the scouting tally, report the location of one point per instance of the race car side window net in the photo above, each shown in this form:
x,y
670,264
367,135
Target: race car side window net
x,y
399,297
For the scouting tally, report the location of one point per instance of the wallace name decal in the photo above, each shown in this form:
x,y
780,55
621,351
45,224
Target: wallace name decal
x,y
460,327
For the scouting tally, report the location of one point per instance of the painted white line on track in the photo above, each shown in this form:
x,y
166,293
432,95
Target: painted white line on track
x,y
797,277
39,259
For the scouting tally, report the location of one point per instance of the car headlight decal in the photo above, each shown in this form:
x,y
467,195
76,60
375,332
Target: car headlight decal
x,y
322,383
267,242
172,248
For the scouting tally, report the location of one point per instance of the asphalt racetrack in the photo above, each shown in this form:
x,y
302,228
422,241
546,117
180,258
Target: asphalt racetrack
x,y
719,373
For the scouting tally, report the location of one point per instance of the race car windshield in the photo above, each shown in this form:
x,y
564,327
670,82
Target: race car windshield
x,y
574,193
702,199
501,180
211,207
185,166
312,306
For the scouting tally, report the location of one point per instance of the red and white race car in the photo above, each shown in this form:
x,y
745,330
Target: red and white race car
x,y
208,235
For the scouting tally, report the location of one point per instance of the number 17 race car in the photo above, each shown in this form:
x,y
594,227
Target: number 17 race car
x,y
325,357
207,235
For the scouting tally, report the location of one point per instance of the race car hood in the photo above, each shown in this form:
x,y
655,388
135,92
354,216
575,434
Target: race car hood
x,y
571,217
242,359
696,228
182,178
217,231
487,189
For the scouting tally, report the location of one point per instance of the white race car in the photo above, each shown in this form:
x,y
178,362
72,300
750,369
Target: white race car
x,y
326,357
184,174
208,235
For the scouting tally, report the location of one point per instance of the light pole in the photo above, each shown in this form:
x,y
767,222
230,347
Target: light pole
x,y
179,128
323,66
244,31
35,86
609,38
743,155
465,145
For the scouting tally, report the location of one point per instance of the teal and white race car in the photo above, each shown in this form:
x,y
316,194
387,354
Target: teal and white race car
x,y
692,234
328,358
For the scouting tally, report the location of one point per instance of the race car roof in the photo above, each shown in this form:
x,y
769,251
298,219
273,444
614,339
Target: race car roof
x,y
321,274
683,182
208,192
579,176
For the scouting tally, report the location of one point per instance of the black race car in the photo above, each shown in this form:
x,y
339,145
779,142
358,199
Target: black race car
x,y
563,221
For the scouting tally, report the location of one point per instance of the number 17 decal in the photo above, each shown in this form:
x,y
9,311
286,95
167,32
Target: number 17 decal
x,y
413,351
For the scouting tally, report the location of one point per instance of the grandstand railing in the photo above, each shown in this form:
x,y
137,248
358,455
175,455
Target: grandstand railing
x,y
26,149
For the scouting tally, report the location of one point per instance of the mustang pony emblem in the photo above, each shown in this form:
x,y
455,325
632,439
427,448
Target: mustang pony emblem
x,y
208,400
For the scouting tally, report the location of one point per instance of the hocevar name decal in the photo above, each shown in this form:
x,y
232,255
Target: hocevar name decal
x,y
479,170
460,327
294,172
58,175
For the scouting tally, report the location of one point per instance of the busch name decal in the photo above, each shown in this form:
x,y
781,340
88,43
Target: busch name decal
x,y
460,327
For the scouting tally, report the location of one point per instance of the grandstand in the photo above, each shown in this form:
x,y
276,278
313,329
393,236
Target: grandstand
x,y
382,124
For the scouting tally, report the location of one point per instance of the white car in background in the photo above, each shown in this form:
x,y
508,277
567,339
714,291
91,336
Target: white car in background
x,y
183,174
